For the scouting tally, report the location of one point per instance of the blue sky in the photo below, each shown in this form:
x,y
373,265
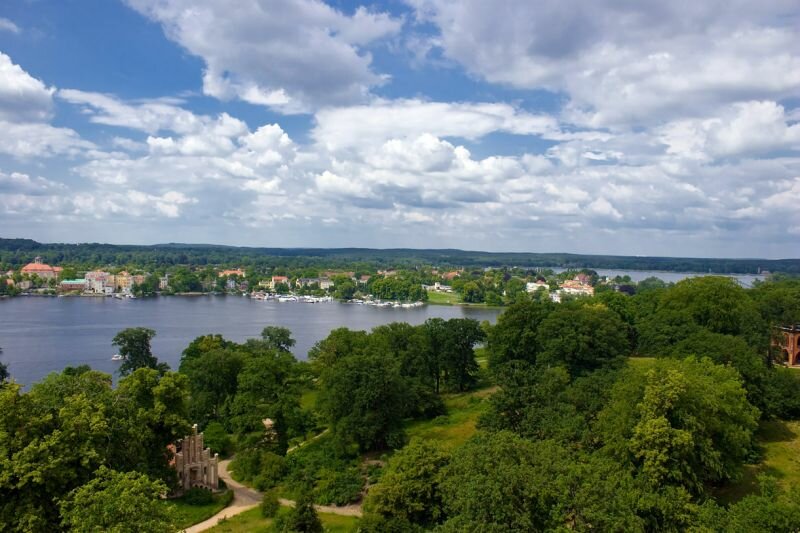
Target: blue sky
x,y
644,128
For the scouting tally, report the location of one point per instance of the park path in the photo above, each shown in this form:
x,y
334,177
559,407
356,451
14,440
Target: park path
x,y
245,498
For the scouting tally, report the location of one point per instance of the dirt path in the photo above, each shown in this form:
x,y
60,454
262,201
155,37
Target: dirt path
x,y
245,498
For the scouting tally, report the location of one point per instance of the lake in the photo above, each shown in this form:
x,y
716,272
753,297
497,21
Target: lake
x,y
40,335
746,280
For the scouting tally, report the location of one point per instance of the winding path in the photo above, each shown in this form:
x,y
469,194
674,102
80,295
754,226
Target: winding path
x,y
245,498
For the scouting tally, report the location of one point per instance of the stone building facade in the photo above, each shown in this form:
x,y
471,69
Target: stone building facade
x,y
790,345
194,463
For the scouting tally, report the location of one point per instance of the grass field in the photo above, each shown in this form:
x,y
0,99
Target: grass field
x,y
186,515
443,298
459,424
780,447
252,521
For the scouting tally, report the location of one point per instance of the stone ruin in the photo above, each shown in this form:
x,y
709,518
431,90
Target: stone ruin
x,y
194,463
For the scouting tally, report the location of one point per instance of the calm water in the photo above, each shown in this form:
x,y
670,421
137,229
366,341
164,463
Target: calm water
x,y
746,280
40,335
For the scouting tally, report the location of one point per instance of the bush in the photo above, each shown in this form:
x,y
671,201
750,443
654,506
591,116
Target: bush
x,y
198,496
271,472
247,464
270,504
338,487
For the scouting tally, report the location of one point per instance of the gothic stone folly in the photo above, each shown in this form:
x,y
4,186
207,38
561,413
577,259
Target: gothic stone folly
x,y
791,344
194,464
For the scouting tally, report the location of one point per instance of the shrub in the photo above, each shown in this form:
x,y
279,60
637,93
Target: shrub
x,y
198,496
270,504
247,464
338,487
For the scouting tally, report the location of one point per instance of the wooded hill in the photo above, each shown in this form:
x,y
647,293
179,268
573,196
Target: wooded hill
x,y
17,252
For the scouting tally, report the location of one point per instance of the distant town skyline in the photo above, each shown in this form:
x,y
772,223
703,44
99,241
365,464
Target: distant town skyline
x,y
648,128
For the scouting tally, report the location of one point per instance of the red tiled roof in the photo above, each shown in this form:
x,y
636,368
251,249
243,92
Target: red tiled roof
x,y
37,267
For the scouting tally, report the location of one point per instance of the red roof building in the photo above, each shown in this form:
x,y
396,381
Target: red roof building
x,y
41,269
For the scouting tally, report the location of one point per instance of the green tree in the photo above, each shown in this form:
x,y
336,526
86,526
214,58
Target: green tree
x,y
278,338
364,397
514,336
515,291
134,347
733,351
3,368
583,338
302,518
268,388
720,305
458,354
409,487
118,502
213,380
680,423
472,292
216,438
203,344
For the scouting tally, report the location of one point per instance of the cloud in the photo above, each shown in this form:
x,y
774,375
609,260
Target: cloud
x,y
9,26
292,56
745,128
149,116
626,64
363,125
22,97
21,183
31,140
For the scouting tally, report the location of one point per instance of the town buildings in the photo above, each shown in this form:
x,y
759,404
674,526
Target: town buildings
x,y
533,286
67,285
41,269
276,280
237,272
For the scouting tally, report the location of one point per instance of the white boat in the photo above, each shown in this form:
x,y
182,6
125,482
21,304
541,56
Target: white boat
x,y
287,299
117,357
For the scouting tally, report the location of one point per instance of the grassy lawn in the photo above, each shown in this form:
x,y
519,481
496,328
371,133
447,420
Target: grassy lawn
x,y
252,521
780,444
186,515
459,424
443,298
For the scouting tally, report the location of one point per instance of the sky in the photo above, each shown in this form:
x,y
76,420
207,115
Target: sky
x,y
611,126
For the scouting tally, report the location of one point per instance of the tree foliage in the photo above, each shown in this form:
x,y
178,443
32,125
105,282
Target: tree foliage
x,y
134,347
119,502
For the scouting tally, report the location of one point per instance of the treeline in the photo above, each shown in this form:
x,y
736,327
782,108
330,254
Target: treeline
x,y
17,252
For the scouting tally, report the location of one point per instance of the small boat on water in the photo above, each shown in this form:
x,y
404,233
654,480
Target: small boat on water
x,y
117,357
